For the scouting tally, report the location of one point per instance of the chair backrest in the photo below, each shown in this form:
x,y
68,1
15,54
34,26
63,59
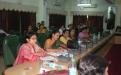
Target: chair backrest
x,y
41,39
72,44
13,42
2,36
10,48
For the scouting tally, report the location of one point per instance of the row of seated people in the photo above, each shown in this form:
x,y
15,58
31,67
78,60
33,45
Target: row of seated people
x,y
67,34
40,28
55,41
31,51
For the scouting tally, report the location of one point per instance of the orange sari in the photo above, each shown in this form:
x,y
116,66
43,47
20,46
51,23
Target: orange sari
x,y
49,43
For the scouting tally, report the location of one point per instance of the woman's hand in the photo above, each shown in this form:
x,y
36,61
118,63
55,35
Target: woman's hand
x,y
60,49
41,53
63,46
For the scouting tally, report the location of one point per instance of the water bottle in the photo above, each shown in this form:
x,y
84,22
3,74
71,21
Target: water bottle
x,y
79,44
72,66
98,36
94,38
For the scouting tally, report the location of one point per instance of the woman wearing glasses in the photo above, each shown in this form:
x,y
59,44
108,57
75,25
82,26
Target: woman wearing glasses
x,y
29,51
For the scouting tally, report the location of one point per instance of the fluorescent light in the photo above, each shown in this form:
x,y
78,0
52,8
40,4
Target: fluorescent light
x,y
84,5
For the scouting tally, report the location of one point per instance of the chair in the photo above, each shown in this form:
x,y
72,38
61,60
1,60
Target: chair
x,y
10,49
93,30
41,39
72,44
2,36
14,32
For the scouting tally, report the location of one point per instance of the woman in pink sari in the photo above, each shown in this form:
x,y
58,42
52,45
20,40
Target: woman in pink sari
x,y
84,34
29,51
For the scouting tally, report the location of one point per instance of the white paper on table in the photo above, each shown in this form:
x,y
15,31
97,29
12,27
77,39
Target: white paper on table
x,y
42,70
54,53
47,58
58,53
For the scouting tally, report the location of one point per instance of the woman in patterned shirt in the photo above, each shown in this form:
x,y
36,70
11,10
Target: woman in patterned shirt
x,y
30,51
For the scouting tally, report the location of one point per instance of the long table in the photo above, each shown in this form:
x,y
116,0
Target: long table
x,y
33,68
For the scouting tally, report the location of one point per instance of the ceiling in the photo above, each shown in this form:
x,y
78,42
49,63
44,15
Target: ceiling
x,y
36,2
56,3
111,1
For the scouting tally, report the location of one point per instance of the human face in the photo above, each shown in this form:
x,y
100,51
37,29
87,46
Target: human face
x,y
66,34
32,40
41,27
106,71
55,36
72,32
29,28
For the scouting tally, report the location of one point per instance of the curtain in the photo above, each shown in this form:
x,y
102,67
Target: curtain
x,y
77,20
91,21
27,19
11,20
96,21
56,20
1,19
4,20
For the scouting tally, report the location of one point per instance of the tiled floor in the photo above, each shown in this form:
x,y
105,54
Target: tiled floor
x,y
2,66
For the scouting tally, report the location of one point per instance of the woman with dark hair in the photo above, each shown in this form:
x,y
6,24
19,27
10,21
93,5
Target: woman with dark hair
x,y
40,29
50,42
93,65
29,50
72,42
65,37
84,33
73,34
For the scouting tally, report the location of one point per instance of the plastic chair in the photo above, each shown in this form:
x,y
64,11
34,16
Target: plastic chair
x,y
42,38
72,44
10,49
2,36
